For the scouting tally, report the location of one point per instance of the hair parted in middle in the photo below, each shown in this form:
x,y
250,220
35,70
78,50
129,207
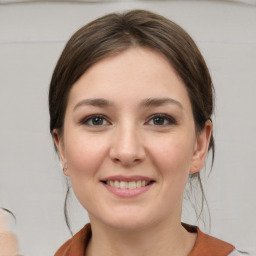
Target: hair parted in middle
x,y
116,32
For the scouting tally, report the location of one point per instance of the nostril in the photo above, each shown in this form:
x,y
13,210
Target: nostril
x,y
127,150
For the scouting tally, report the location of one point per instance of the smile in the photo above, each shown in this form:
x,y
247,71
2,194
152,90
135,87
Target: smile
x,y
128,185
123,186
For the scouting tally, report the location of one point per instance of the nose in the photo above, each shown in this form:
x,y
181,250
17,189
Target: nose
x,y
127,148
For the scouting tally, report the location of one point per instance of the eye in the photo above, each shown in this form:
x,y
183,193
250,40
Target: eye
x,y
161,120
95,120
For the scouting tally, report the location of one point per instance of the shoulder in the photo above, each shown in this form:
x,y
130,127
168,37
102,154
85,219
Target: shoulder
x,y
64,249
211,246
77,244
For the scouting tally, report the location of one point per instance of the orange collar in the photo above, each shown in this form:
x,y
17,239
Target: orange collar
x,y
205,245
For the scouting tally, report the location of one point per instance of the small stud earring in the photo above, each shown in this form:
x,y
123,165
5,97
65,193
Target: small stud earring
x,y
65,170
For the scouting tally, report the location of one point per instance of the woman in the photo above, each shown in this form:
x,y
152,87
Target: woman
x,y
130,104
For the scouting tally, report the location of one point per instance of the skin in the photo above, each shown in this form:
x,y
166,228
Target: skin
x,y
132,140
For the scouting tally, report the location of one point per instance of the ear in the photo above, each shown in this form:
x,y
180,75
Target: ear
x,y
59,143
201,148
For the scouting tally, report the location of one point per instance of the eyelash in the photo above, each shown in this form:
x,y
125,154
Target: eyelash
x,y
164,117
170,120
85,121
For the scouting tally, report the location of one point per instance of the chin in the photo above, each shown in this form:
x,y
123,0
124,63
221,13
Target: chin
x,y
127,220
128,225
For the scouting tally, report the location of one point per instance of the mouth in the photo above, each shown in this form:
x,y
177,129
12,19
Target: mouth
x,y
122,184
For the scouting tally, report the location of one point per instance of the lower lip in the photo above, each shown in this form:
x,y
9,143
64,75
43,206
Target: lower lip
x,y
127,192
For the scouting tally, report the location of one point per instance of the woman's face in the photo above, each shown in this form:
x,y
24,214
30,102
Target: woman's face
x,y
129,140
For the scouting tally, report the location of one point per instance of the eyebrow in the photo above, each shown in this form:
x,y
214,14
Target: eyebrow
x,y
98,102
150,102
155,102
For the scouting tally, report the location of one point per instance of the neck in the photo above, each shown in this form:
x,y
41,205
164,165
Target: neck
x,y
169,238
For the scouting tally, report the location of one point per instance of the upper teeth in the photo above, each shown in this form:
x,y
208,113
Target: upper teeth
x,y
129,185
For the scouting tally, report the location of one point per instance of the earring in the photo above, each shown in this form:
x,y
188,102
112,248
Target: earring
x,y
65,170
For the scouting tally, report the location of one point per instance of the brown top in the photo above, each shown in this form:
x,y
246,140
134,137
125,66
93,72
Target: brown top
x,y
205,245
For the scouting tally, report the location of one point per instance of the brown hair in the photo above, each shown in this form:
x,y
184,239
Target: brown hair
x,y
114,33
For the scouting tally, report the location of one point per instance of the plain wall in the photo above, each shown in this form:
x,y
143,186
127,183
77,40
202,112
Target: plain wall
x,y
32,185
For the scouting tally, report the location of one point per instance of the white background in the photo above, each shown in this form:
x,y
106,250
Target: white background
x,y
31,181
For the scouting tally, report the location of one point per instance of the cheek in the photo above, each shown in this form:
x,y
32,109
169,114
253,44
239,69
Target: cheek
x,y
173,157
175,152
84,155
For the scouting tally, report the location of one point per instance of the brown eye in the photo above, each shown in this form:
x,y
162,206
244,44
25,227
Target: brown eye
x,y
161,120
95,120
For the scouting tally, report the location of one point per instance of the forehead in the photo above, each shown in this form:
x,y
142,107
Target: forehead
x,y
135,73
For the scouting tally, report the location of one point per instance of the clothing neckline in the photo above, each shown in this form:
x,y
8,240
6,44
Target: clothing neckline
x,y
204,245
